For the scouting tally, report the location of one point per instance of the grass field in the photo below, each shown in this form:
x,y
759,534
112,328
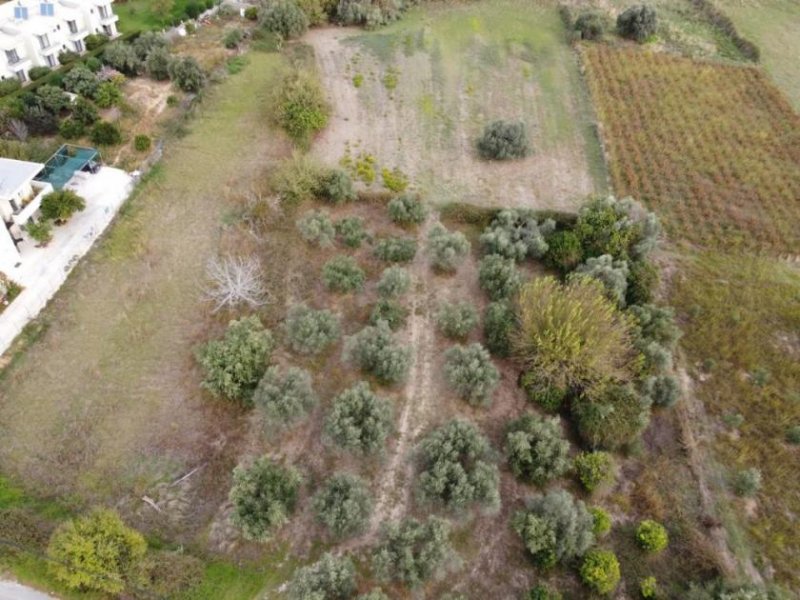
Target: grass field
x,y
144,15
714,149
774,25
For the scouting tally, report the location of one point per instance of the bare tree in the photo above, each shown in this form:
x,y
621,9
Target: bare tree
x,y
234,281
18,129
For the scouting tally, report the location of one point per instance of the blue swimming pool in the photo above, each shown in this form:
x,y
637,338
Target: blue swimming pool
x,y
60,167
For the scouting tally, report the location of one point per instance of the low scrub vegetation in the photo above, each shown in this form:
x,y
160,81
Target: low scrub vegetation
x,y
504,140
359,420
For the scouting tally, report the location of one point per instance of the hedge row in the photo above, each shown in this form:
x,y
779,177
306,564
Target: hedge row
x,y
723,23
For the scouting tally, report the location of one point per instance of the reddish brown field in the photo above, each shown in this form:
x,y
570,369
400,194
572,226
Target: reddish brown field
x,y
713,148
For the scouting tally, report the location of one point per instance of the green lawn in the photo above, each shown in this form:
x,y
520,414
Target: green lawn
x,y
143,15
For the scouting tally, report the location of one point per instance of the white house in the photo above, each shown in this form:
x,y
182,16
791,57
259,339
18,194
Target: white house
x,y
34,32
20,199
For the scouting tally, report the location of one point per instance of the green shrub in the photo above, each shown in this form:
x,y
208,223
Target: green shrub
x,y
498,277
594,469
284,396
390,312
395,281
233,38
351,231
555,528
652,536
793,435
504,140
142,143
296,180
330,578
564,251
234,364
592,24
343,505
264,496
336,186
746,482
540,392
610,416
642,280
602,521
600,571
316,228
105,134
570,335
52,98
123,58
300,106
147,42
375,352
251,13
66,57
94,40
38,72
407,209
620,228
394,180
447,249
395,249
342,274
96,552
499,323
107,95
285,18
516,234
60,205
170,574
542,592
156,65
9,86
84,112
81,81
471,372
637,23
648,588
456,468
411,551
612,274
193,10
536,449
359,420
94,64
185,72
663,390
310,331
40,231
656,324
456,319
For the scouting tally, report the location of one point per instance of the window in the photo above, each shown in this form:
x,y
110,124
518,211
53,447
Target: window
x,y
73,26
51,60
46,9
103,12
21,13
21,76
108,31
44,41
78,46
12,56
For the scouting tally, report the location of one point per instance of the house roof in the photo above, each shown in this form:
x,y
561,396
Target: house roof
x,y
15,173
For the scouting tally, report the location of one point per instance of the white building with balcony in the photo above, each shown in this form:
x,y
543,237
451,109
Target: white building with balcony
x,y
34,32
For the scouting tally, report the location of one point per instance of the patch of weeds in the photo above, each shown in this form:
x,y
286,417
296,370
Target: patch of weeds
x,y
358,80
390,79
394,180
235,64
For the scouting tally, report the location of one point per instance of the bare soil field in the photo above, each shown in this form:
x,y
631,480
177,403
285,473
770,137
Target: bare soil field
x,y
416,95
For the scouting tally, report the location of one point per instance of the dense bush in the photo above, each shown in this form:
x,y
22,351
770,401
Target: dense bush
x,y
411,551
447,249
233,38
185,72
390,312
41,232
84,112
746,483
251,13
456,469
316,227
94,40
96,552
38,72
284,395
572,334
407,209
9,86
600,571
123,58
516,234
656,324
359,420
300,107
471,372
613,274
652,536
663,390
499,323
456,319
503,140
351,231
592,24
234,364
621,228
52,98
156,65
642,280
375,352
637,23
342,274
395,281
148,41
610,416
60,205
602,521
541,392
343,505
66,57
107,95
564,251
296,180
330,578
536,449
285,18
81,81
543,592
170,574
105,134
336,186
142,143
594,469
555,528
498,277
395,249
264,496
648,588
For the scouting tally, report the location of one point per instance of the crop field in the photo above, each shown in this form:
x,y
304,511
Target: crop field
x,y
714,149
416,94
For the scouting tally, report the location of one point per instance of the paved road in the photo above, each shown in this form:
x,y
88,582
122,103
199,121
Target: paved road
x,y
14,591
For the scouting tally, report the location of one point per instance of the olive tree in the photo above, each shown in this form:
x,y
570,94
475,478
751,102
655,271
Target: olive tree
x,y
375,352
186,73
316,228
516,234
471,372
342,274
447,249
359,420
310,331
637,22
498,277
395,281
411,551
407,209
612,274
503,140
283,396
456,319
343,505
609,416
285,18
536,449
499,323
330,578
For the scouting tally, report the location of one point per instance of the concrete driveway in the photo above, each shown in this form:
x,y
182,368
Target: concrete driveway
x,y
10,590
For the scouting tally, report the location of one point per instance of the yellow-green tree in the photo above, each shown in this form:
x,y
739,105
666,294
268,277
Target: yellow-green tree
x,y
96,552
